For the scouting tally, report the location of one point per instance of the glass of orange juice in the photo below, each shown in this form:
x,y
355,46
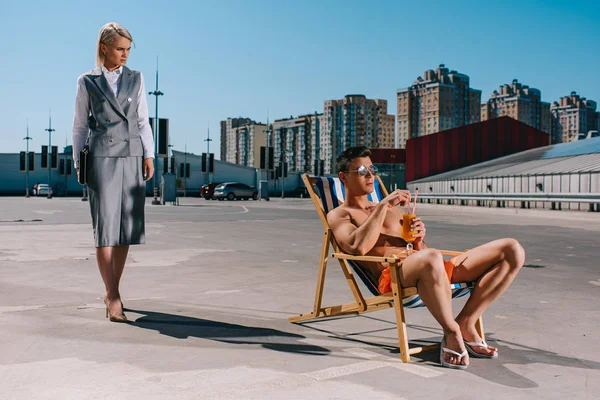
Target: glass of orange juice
x,y
407,233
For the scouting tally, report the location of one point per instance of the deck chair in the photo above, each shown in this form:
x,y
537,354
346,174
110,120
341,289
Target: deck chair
x,y
327,194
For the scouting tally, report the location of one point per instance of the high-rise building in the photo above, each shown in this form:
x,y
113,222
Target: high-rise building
x,y
387,138
295,140
354,121
571,116
519,102
317,125
223,143
229,138
545,118
250,138
442,100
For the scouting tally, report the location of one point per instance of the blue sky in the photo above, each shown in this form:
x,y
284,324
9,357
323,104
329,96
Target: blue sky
x,y
222,59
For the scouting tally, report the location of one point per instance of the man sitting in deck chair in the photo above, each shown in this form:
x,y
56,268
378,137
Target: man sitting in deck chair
x,y
364,228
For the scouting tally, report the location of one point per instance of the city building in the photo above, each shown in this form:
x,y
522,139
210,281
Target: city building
x,y
441,100
229,138
546,118
519,102
573,116
249,139
297,142
317,124
354,121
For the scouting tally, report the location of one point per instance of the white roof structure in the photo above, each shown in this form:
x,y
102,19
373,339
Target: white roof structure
x,y
564,158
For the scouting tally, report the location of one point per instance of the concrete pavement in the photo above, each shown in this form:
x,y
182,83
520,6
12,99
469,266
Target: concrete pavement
x,y
211,292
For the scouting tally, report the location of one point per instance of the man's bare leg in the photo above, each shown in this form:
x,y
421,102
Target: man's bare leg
x,y
425,270
494,266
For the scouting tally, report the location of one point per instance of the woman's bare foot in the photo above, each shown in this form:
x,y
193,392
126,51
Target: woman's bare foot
x,y
114,305
106,296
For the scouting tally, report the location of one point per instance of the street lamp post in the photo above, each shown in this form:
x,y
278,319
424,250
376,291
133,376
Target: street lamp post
x,y
284,158
49,130
27,139
156,93
185,171
65,170
267,132
208,140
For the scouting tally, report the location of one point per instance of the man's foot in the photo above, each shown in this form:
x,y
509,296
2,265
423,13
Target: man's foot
x,y
475,345
457,356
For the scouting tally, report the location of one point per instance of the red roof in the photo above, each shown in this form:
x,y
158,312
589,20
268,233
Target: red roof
x,y
470,144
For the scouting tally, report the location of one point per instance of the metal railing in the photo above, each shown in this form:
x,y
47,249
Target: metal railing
x,y
522,200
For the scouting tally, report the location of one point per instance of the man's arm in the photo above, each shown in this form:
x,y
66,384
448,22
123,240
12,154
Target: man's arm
x,y
360,240
357,240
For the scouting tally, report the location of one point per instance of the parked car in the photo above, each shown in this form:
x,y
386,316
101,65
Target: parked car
x,y
235,190
41,189
208,189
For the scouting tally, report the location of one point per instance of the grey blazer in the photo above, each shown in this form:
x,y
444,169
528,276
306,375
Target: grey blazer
x,y
114,120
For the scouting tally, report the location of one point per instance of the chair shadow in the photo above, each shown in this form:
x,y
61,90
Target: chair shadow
x,y
183,327
495,371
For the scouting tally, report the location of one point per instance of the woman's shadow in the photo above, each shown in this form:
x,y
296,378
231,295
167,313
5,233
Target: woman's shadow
x,y
183,327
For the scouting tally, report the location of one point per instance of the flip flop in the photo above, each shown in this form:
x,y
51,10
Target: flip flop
x,y
469,346
456,353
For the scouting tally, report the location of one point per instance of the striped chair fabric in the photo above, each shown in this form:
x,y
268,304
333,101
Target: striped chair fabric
x,y
332,194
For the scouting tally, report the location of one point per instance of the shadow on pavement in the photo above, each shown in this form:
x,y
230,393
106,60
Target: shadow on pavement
x,y
495,371
182,327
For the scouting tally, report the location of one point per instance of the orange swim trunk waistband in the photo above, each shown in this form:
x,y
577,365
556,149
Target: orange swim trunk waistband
x,y
385,280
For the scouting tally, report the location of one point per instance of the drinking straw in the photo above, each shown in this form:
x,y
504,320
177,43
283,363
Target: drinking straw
x,y
415,206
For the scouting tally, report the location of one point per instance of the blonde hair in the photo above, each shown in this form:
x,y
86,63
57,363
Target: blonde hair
x,y
107,35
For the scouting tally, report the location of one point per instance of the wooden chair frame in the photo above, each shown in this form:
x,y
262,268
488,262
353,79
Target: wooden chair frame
x,y
362,305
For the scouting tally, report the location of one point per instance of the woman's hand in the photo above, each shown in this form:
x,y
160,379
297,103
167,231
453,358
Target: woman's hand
x,y
148,168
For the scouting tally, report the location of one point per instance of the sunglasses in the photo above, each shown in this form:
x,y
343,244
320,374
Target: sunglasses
x,y
363,170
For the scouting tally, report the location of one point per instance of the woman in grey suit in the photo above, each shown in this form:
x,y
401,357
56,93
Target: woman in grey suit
x,y
111,115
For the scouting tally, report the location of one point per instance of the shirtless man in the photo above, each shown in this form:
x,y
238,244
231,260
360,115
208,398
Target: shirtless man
x,y
364,228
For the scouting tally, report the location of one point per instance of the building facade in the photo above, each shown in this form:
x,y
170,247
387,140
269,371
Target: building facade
x,y
317,124
519,102
442,100
249,139
354,121
296,141
571,116
229,137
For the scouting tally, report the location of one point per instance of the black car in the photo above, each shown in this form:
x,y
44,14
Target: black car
x,y
208,189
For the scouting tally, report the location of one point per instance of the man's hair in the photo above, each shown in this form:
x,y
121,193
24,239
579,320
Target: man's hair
x,y
342,164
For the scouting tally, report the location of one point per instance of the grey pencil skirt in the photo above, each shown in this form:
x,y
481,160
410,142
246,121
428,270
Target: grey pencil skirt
x,y
117,194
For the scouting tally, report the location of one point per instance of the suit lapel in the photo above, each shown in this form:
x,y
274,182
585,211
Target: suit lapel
x,y
125,86
104,87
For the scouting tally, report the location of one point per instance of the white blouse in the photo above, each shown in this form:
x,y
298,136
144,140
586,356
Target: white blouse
x,y
81,128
